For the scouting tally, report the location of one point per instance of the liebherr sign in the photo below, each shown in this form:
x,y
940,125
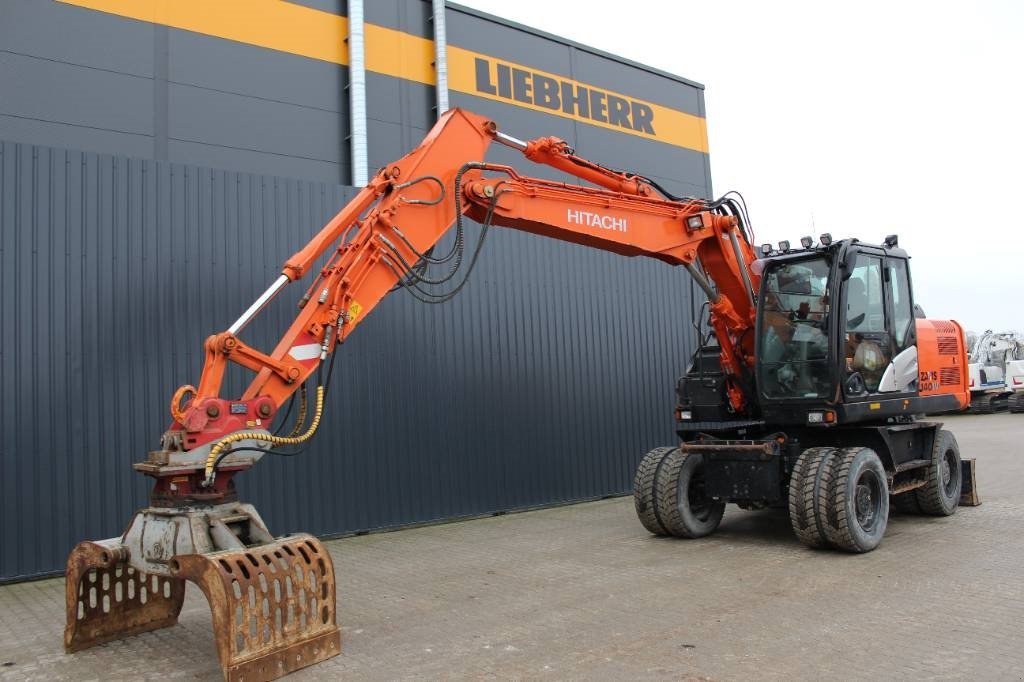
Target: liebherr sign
x,y
530,87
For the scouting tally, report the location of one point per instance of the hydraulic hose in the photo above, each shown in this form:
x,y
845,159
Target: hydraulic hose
x,y
300,419
215,451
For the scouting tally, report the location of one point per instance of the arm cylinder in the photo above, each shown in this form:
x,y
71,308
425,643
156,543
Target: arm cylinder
x,y
510,141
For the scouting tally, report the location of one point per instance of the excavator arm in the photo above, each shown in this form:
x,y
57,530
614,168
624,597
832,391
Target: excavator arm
x,y
382,238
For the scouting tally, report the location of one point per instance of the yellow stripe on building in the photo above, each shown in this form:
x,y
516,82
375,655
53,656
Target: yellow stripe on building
x,y
296,29
273,24
398,54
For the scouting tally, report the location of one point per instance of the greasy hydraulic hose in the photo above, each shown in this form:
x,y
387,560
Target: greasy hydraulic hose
x,y
300,419
216,450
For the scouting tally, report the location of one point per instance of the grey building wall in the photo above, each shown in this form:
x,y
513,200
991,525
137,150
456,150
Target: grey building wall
x,y
153,180
78,78
543,382
82,79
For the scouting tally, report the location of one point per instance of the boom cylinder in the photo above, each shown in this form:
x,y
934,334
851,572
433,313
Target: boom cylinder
x,y
259,304
510,141
702,282
743,271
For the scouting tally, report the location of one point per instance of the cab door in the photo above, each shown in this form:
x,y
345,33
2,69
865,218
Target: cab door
x,y
879,331
901,374
866,342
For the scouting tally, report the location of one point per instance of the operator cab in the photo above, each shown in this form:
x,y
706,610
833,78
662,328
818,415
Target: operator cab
x,y
835,331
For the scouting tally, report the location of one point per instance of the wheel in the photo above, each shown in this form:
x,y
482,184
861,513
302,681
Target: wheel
x,y
683,506
855,509
940,496
643,489
905,503
805,485
1016,403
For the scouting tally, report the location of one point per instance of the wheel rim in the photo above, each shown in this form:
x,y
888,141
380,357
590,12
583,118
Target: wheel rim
x,y
867,500
697,496
950,473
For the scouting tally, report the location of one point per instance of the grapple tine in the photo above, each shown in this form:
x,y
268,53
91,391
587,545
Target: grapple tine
x,y
108,599
273,605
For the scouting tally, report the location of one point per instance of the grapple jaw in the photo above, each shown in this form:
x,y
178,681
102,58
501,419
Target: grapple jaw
x,y
273,602
273,605
109,599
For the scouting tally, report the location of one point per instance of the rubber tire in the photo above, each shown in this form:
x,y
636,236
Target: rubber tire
x,y
644,490
805,484
839,518
675,514
932,497
905,503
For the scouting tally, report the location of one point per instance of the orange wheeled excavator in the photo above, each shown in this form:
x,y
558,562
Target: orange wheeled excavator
x,y
807,392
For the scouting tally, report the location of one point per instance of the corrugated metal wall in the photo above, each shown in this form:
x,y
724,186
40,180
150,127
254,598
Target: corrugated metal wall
x,y
543,382
74,77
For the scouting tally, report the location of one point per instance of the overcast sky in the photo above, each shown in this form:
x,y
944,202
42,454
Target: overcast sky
x,y
859,119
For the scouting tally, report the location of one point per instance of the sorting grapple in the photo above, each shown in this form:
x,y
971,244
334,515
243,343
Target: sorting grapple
x,y
273,601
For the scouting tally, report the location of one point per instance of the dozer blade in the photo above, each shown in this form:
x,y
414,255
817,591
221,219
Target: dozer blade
x,y
273,606
108,599
969,490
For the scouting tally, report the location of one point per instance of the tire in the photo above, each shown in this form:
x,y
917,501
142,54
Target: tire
x,y
682,507
644,491
940,496
905,503
805,485
855,500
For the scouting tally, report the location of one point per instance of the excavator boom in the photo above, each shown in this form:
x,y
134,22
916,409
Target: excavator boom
x,y
375,243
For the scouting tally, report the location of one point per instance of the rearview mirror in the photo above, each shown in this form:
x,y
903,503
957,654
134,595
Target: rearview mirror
x,y
846,265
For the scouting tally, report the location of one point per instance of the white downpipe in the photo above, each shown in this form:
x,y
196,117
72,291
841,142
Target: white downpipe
x,y
357,91
441,56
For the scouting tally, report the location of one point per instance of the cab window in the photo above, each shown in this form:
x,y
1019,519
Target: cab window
x,y
865,303
902,311
867,338
794,359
